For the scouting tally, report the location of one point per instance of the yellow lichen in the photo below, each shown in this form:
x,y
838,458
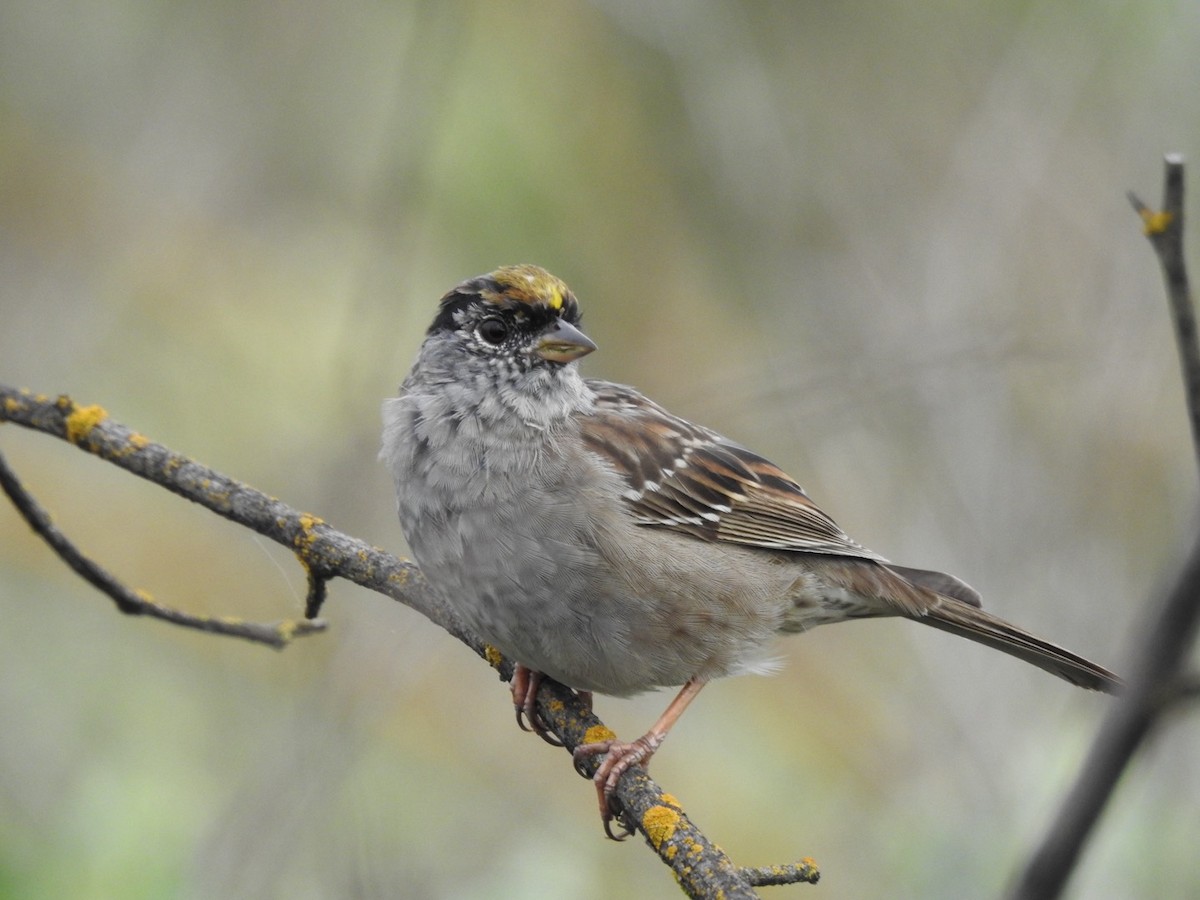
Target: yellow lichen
x,y
12,406
135,443
659,823
308,520
308,536
82,420
1155,222
598,734
493,656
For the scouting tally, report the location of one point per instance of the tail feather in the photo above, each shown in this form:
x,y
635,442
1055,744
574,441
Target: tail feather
x,y
939,583
944,602
969,622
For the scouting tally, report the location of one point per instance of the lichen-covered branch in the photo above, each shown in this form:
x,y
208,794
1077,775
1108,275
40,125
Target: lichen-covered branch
x,y
701,868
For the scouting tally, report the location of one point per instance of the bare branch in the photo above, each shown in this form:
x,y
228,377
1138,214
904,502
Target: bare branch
x,y
1159,657
138,602
1164,229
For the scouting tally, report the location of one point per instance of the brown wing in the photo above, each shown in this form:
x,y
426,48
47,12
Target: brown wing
x,y
690,479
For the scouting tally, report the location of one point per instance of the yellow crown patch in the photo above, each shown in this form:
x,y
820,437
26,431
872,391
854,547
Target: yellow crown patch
x,y
530,284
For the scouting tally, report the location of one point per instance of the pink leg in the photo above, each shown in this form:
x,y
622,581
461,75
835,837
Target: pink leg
x,y
620,756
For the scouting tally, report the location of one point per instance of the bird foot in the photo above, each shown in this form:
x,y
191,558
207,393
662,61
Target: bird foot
x,y
619,756
525,684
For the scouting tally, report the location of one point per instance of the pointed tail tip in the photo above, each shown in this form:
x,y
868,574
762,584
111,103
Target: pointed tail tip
x,y
992,631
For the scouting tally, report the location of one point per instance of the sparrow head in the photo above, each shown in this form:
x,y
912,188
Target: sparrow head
x,y
518,312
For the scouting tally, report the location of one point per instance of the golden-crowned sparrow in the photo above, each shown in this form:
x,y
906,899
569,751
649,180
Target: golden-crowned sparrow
x,y
597,539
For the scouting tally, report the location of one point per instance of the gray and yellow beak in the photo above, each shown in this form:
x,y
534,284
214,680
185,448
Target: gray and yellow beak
x,y
562,342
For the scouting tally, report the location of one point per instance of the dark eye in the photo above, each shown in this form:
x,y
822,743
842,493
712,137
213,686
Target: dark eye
x,y
493,330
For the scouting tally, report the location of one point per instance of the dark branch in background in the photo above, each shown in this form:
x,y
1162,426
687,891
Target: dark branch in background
x,y
139,603
702,868
1156,672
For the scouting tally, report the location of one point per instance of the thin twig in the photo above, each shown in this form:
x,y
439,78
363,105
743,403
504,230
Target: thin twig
x,y
1164,229
772,876
1159,656
137,602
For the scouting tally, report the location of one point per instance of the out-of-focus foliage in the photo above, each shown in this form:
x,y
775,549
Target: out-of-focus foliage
x,y
885,244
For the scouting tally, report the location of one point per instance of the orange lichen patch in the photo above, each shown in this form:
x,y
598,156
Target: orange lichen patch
x,y
671,800
13,405
1155,222
598,734
493,656
82,420
135,443
659,823
308,535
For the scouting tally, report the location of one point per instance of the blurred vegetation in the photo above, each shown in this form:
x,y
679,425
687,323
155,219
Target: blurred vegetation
x,y
886,245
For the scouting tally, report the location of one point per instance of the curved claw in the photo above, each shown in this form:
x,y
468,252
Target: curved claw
x,y
625,831
525,684
580,756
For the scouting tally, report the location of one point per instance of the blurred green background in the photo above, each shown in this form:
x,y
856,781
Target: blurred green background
x,y
887,245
